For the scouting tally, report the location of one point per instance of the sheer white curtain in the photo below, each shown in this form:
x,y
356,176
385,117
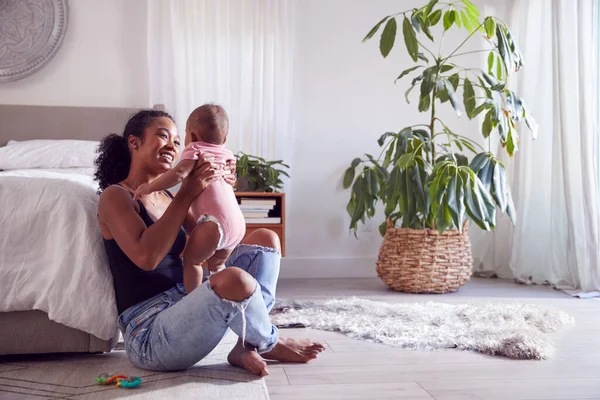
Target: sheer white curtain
x,y
554,178
237,53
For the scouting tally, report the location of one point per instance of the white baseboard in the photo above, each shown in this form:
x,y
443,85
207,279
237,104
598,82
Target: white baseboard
x,y
305,268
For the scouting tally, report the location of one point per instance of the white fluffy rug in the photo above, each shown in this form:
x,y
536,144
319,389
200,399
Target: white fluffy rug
x,y
504,329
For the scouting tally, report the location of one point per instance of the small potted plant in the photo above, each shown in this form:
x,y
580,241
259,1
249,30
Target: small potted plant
x,y
430,179
255,174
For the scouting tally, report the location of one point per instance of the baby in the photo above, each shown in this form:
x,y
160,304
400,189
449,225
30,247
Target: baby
x,y
220,222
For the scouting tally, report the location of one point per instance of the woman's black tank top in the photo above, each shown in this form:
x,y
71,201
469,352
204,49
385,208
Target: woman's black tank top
x,y
132,284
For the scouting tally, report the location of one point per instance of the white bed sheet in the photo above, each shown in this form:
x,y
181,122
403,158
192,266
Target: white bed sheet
x,y
51,251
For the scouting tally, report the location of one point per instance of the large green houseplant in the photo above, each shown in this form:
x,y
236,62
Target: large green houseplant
x,y
430,179
255,174
424,176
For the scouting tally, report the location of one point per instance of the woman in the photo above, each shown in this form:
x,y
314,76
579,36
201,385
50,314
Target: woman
x,y
164,328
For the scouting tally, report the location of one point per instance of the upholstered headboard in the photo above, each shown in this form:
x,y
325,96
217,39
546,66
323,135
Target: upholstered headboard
x,y
19,122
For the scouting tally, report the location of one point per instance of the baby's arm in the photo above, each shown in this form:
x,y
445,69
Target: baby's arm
x,y
167,180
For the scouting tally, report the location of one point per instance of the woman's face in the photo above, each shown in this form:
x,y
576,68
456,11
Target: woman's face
x,y
160,147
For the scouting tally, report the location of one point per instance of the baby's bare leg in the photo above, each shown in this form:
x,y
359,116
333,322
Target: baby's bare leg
x,y
217,262
200,247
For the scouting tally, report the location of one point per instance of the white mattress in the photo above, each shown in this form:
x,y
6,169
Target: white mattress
x,y
51,252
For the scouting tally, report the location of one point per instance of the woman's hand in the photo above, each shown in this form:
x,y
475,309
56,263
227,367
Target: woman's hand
x,y
141,191
229,175
204,173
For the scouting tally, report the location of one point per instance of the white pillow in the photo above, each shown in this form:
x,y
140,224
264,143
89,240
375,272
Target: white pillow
x,y
43,153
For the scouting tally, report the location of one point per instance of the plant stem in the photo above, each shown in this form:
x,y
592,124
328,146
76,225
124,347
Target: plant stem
x,y
470,52
431,126
464,41
429,51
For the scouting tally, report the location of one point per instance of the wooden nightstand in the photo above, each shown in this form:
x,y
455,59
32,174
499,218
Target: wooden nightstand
x,y
278,211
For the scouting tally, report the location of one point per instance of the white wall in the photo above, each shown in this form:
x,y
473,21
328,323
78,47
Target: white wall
x,y
345,99
102,61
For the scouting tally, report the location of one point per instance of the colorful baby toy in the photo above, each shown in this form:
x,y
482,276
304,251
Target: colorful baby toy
x,y
123,381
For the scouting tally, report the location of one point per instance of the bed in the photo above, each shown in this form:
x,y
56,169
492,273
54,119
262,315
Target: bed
x,y
55,285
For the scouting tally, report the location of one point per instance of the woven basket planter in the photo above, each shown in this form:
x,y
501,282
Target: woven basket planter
x,y
423,261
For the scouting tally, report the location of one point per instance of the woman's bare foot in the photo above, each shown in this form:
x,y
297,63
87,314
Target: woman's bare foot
x,y
248,359
294,350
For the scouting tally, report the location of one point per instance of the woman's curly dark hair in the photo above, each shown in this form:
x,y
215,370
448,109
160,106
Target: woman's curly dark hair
x,y
114,159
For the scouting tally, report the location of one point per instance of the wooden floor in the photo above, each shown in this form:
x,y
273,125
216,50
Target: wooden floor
x,y
352,369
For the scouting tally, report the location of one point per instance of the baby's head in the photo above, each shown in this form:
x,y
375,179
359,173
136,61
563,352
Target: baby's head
x,y
207,123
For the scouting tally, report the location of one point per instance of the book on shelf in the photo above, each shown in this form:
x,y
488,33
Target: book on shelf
x,y
271,220
245,201
254,208
256,214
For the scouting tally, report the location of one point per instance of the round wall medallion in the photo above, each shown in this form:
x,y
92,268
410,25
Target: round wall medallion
x,y
31,32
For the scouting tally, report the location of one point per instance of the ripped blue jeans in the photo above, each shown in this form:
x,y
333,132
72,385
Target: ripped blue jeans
x,y
172,331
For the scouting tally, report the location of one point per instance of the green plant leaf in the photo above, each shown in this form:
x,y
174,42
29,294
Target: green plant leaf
x,y
375,29
479,161
488,205
477,110
415,173
468,97
490,27
510,206
466,22
460,202
486,174
461,160
446,68
388,37
471,7
351,206
511,146
422,57
456,18
434,18
454,80
488,92
503,47
411,210
359,198
442,94
401,147
406,72
421,133
403,196
383,228
452,96
428,82
453,201
424,103
448,20
499,69
355,162
406,161
486,127
425,26
348,177
414,20
443,218
499,187
490,62
410,39
374,180
475,205
430,6
408,92
388,155
468,145
382,138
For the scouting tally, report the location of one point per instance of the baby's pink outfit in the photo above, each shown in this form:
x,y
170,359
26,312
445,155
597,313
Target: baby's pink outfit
x,y
217,203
